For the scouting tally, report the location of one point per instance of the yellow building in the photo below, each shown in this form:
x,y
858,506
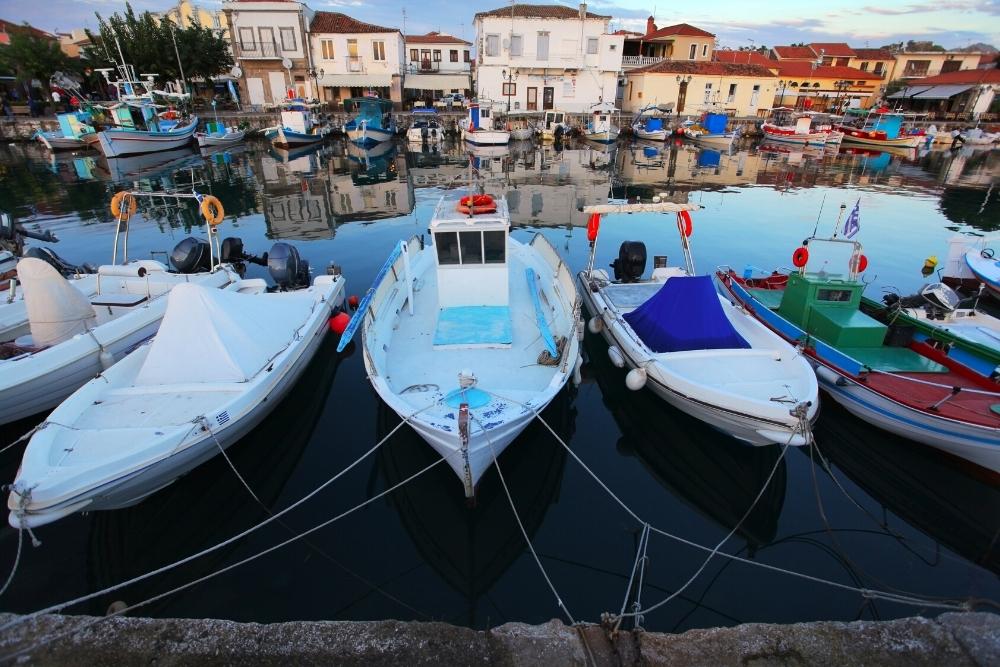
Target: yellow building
x,y
676,42
918,64
187,13
693,87
824,87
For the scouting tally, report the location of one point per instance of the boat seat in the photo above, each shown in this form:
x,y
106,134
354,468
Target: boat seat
x,y
771,298
628,296
894,360
121,300
473,326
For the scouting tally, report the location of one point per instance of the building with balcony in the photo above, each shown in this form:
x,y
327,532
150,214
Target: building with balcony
x,y
806,85
536,57
675,42
353,58
694,87
437,64
270,47
920,64
964,94
876,61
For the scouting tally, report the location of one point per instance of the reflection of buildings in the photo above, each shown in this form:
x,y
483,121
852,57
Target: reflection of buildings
x,y
307,192
694,168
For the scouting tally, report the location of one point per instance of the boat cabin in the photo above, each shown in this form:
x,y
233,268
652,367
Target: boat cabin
x,y
553,120
472,272
602,117
483,118
375,111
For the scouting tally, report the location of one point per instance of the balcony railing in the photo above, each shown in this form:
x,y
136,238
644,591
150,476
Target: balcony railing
x,y
354,64
639,61
259,51
423,66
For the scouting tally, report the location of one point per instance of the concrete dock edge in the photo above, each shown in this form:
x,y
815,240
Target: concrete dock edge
x,y
950,639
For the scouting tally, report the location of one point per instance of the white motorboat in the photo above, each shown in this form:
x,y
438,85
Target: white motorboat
x,y
602,126
467,338
693,348
555,125
484,128
425,127
221,361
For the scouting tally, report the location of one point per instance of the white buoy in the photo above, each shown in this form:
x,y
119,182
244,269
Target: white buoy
x,y
577,375
616,357
595,324
636,379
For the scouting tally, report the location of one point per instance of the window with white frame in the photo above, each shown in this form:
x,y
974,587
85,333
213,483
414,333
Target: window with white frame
x,y
492,45
437,55
326,45
378,50
692,52
516,45
732,93
708,93
287,38
591,46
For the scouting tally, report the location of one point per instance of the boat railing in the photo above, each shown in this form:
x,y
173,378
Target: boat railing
x,y
395,273
552,258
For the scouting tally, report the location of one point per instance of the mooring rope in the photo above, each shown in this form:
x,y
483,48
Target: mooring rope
x,y
90,596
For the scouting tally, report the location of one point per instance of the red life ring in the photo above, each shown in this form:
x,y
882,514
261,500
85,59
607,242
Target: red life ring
x,y
859,264
593,226
684,220
477,204
800,257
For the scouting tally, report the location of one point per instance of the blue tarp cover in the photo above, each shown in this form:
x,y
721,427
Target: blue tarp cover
x,y
685,314
715,123
653,124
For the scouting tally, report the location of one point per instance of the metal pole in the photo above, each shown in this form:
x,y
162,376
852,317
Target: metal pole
x,y
173,36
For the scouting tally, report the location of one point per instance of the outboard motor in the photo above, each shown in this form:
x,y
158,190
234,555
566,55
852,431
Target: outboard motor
x,y
57,262
631,262
287,269
233,253
191,256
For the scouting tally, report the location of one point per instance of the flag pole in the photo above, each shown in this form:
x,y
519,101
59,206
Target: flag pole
x,y
840,215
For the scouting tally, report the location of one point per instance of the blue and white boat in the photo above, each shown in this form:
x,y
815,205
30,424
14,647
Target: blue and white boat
x,y
373,123
74,133
712,131
298,128
159,135
601,126
650,124
467,338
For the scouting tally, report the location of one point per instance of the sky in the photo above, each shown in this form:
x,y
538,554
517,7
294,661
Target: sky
x,y
736,23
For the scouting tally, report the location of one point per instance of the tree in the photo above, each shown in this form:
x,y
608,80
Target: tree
x,y
923,45
31,56
153,45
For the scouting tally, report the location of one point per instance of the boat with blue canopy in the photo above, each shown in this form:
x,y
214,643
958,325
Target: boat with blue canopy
x,y
691,347
373,122
877,127
712,131
651,123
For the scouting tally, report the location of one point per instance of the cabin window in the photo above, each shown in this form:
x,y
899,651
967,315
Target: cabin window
x,y
591,46
447,247
287,38
472,247
516,45
693,52
839,295
327,46
494,246
492,45
378,50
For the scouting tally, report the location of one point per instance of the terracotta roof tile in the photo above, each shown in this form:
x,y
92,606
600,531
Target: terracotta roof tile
x,y
751,57
969,76
702,67
794,52
539,12
335,22
434,38
685,29
834,49
807,71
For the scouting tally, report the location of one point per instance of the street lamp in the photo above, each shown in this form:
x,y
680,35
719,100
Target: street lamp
x,y
681,92
782,83
316,75
508,84
841,86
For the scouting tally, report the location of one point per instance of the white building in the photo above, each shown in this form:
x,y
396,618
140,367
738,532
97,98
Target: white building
x,y
437,64
537,57
352,57
269,40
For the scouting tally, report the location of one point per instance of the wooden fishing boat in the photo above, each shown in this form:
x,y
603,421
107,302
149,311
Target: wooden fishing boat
x,y
484,127
373,122
879,127
883,373
217,134
649,124
602,126
115,142
73,133
467,338
712,131
788,127
691,347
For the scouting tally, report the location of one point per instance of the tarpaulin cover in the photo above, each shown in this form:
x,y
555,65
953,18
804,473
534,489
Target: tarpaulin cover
x,y
685,314
708,158
57,311
211,335
715,123
654,124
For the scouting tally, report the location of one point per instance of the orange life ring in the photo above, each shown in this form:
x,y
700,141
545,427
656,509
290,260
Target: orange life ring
x,y
123,205
800,257
684,221
477,204
211,209
593,226
859,264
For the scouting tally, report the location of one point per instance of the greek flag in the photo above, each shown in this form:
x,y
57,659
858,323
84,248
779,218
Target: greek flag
x,y
853,223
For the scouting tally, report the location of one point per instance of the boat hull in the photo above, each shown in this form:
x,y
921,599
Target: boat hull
x,y
487,137
810,139
604,136
902,142
115,143
286,138
655,135
985,270
56,142
230,138
368,136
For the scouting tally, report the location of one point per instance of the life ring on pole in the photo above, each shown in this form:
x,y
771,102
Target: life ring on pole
x,y
123,205
211,209
800,257
477,204
858,263
593,226
684,222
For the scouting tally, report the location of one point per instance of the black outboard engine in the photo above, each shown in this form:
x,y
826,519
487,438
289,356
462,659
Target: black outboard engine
x,y
191,256
631,262
57,262
287,269
233,253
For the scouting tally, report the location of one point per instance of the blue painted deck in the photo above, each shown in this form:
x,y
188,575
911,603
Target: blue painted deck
x,y
478,326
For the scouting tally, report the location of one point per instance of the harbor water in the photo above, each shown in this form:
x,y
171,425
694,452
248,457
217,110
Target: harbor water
x,y
885,514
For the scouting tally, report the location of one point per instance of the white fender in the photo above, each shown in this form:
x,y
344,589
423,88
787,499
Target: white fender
x,y
616,357
636,379
828,376
595,324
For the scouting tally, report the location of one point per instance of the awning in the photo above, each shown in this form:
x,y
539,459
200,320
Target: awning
x,y
942,92
358,80
437,82
909,91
